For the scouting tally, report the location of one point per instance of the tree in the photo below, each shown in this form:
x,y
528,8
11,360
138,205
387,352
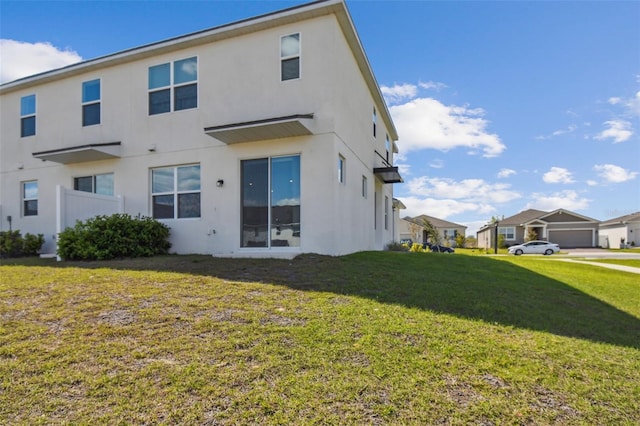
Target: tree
x,y
531,234
432,233
414,229
460,239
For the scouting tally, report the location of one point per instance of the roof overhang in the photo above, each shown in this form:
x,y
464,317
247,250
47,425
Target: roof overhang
x,y
82,153
270,128
388,174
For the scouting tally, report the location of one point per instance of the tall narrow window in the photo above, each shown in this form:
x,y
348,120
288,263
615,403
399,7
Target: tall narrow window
x,y
173,86
28,115
342,168
91,102
30,198
271,202
387,146
290,57
175,192
375,121
364,187
98,184
386,212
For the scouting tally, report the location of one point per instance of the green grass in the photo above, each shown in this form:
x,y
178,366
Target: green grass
x,y
635,263
370,338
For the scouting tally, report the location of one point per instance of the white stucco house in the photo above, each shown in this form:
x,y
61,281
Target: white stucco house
x,y
265,137
619,232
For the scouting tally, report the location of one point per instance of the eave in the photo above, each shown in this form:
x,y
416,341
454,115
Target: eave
x,y
388,174
264,129
82,153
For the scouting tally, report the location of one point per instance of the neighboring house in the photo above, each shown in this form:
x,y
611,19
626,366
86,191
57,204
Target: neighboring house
x,y
265,137
621,231
412,228
563,227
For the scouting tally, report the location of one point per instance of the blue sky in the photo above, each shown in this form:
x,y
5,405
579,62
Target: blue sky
x,y
500,106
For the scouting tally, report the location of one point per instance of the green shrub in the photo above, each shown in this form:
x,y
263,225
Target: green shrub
x,y
396,246
113,237
12,244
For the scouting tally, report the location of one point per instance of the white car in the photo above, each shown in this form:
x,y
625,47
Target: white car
x,y
535,247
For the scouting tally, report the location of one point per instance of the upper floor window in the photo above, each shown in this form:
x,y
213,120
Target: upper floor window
x,y
290,57
28,115
97,184
375,121
30,198
364,186
175,192
342,168
91,102
173,86
387,146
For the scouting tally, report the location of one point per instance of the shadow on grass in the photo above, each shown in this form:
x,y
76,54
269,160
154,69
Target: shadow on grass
x,y
465,286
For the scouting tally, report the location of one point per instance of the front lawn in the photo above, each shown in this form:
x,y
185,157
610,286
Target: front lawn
x,y
370,338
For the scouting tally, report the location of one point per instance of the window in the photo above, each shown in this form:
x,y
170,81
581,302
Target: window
x,y
386,212
509,233
387,146
173,86
449,234
271,202
364,187
30,198
341,169
91,102
290,57
375,120
175,192
28,116
98,184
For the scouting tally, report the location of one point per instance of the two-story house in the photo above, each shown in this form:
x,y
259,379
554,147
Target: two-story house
x,y
265,137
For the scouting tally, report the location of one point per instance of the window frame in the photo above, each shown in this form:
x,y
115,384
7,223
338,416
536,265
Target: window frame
x,y
375,121
272,221
504,230
28,116
175,192
364,186
284,58
173,88
94,183
86,104
386,212
342,169
25,199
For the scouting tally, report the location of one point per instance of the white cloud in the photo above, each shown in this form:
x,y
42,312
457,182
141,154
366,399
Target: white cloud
x,y
572,128
428,123
442,208
433,85
558,175
568,199
619,131
614,174
21,59
399,92
471,190
436,163
592,182
505,173
614,100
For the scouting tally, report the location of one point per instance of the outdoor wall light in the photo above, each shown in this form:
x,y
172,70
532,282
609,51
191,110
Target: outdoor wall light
x,y
219,183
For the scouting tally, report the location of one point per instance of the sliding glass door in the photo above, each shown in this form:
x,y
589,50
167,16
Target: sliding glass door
x,y
271,202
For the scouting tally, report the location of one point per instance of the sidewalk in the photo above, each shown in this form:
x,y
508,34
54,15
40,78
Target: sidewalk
x,y
624,268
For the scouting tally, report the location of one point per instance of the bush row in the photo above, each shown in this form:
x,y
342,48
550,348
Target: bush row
x,y
113,237
13,244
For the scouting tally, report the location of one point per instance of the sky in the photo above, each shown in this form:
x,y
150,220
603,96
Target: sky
x,y
500,106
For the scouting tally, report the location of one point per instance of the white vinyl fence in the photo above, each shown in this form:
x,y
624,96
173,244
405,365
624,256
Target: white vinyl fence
x,y
73,206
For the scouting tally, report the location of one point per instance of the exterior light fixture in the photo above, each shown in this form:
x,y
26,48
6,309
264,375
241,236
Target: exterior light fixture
x,y
219,183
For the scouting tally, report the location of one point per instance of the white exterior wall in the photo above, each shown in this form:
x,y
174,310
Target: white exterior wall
x,y
238,81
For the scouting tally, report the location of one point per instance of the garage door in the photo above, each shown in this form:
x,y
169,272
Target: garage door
x,y
572,239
